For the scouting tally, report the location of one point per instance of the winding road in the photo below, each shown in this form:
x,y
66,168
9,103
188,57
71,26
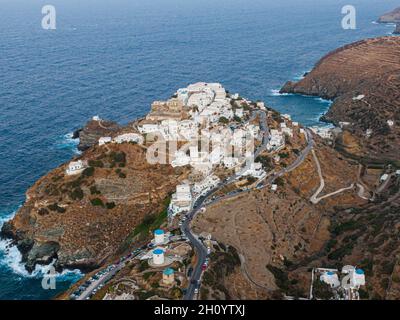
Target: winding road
x,y
186,229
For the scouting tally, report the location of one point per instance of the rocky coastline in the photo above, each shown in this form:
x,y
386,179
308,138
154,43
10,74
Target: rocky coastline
x,y
368,105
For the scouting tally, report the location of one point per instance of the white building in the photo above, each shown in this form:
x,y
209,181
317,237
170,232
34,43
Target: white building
x,y
149,128
288,131
331,279
104,140
384,177
209,183
159,237
239,112
261,105
217,155
75,167
276,140
181,200
230,162
359,97
324,133
255,170
158,256
129,137
390,123
343,124
253,129
169,129
181,159
205,168
357,276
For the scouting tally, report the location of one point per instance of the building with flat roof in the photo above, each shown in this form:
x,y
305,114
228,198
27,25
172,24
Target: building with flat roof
x,y
181,200
75,167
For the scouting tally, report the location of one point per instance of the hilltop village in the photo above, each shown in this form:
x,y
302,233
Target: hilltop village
x,y
167,207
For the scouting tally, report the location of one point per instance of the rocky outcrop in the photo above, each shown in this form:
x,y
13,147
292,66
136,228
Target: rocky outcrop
x,y
83,221
41,253
391,17
93,130
363,80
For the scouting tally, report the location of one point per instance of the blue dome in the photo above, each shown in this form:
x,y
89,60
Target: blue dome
x,y
169,271
158,251
159,232
330,273
359,271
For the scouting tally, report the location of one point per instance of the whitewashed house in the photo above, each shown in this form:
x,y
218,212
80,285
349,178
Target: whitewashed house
x,y
255,170
104,140
129,137
209,183
181,159
75,167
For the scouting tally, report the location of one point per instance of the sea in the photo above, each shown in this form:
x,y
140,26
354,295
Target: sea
x,y
113,58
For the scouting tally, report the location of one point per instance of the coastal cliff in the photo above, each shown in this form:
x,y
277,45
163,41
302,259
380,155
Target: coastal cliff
x,y
363,80
93,130
85,219
390,17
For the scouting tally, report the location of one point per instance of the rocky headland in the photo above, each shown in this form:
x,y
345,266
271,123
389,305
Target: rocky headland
x,y
89,135
83,220
363,80
390,17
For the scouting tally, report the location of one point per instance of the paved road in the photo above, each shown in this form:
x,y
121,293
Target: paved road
x,y
299,160
197,244
186,230
103,279
106,277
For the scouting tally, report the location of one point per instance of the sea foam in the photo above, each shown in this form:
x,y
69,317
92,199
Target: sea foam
x,y
67,142
11,258
276,93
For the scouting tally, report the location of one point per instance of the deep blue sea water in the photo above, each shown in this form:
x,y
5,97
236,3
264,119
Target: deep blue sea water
x,y
113,58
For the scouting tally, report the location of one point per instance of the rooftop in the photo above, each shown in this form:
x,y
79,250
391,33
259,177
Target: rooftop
x,y
158,251
169,271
